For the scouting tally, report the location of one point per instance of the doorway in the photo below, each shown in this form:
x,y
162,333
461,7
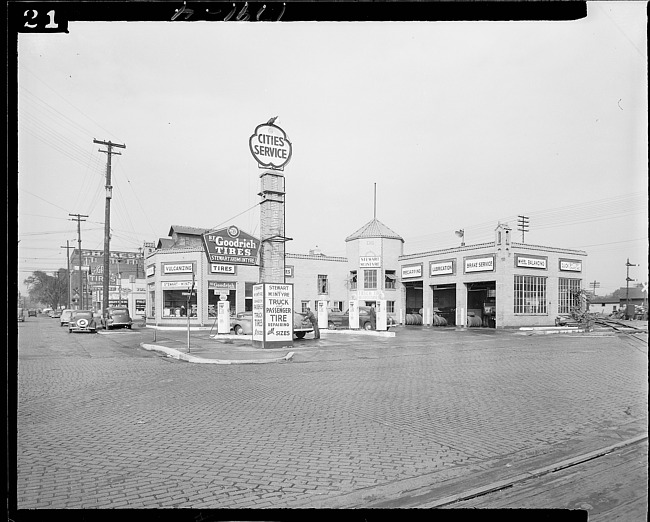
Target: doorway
x,y
481,303
444,302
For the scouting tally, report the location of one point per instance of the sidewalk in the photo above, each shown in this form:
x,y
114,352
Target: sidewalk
x,y
206,347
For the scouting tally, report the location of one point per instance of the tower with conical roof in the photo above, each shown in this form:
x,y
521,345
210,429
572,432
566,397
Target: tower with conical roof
x,y
372,253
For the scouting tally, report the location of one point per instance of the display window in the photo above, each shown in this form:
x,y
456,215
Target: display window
x,y
530,295
175,304
568,297
213,299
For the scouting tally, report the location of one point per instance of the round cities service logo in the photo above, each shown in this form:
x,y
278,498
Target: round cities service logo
x,y
270,146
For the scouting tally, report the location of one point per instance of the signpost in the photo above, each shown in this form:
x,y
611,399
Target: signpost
x,y
187,311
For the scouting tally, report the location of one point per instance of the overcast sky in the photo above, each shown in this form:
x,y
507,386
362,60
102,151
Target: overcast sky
x,y
459,124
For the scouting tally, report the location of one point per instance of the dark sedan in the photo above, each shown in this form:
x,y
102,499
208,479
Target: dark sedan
x,y
117,317
82,321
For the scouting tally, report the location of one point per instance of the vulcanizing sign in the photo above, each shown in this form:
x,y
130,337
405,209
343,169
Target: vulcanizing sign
x,y
179,268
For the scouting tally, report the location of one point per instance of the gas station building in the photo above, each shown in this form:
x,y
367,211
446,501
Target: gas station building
x,y
497,284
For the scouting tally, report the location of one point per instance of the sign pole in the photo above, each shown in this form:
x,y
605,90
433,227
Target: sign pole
x,y
187,312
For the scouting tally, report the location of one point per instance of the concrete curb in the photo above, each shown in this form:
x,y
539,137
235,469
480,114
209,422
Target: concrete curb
x,y
372,333
171,352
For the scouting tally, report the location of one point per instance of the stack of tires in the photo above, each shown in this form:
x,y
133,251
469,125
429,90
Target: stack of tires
x,y
473,321
439,321
413,319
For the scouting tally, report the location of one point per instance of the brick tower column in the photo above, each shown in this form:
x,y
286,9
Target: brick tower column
x,y
272,227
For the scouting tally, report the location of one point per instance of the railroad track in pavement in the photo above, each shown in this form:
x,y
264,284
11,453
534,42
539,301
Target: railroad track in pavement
x,y
638,335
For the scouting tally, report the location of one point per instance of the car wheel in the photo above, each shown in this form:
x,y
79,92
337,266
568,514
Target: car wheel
x,y
300,335
238,330
331,326
367,326
69,331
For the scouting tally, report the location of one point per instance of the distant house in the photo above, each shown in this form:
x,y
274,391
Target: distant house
x,y
604,305
636,296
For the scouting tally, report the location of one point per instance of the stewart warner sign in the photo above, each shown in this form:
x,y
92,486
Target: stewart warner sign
x,y
270,146
231,245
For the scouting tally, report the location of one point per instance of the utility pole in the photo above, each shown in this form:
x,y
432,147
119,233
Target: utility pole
x,y
594,285
522,224
67,255
81,288
627,285
107,219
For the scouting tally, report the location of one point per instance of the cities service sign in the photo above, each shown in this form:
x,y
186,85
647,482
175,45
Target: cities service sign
x,y
270,146
232,246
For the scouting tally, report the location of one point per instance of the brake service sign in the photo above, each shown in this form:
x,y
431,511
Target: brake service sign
x,y
231,245
270,146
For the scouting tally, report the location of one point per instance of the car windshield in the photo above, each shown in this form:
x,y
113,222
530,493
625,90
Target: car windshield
x,y
120,311
83,315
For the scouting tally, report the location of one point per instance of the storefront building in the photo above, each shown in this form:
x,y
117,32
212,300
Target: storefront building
x,y
497,284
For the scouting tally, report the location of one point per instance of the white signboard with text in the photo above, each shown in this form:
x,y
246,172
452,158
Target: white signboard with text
x,y
176,285
531,262
178,268
411,271
441,268
258,313
570,266
480,264
369,262
273,314
216,268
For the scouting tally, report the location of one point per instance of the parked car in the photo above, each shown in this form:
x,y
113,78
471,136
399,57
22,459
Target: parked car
x,y
117,317
21,314
301,325
82,321
46,311
342,319
54,314
65,316
242,324
31,313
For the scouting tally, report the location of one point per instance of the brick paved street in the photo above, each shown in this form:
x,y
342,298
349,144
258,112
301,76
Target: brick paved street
x,y
103,423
